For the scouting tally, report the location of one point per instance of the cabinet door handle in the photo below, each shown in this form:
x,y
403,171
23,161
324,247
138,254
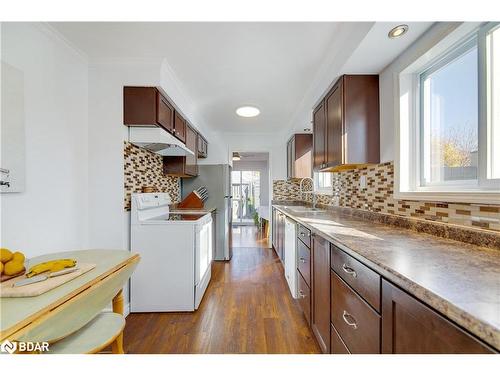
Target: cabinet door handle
x,y
349,270
303,260
349,320
302,234
301,294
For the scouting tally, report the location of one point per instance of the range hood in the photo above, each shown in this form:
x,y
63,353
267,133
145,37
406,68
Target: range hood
x,y
157,140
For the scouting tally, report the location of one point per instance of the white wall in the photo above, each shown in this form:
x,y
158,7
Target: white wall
x,y
274,144
217,149
108,223
389,87
263,168
52,212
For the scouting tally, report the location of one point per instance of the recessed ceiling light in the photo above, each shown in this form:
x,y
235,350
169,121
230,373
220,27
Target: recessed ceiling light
x,y
236,156
398,31
247,111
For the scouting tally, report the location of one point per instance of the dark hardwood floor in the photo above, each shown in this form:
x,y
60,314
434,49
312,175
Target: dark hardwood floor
x,y
247,308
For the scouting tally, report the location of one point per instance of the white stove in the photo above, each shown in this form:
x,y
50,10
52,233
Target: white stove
x,y
176,255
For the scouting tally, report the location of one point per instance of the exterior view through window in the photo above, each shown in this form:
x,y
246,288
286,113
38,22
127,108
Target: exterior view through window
x,y
246,196
449,127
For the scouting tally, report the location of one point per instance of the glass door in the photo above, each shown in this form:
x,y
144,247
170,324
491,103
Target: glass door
x,y
245,186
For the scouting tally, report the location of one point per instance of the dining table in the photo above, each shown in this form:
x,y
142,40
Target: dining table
x,y
70,316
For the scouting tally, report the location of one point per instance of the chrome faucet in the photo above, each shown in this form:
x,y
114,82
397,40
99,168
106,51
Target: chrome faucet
x,y
302,192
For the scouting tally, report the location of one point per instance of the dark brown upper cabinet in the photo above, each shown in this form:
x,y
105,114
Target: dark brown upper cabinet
x,y
299,156
165,113
202,147
319,139
147,106
184,166
180,127
346,124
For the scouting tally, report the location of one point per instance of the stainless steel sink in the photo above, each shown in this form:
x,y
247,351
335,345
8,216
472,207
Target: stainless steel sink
x,y
303,209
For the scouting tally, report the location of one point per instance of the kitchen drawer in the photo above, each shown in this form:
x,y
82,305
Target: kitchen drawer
x,y
304,262
304,235
337,346
304,298
359,277
356,322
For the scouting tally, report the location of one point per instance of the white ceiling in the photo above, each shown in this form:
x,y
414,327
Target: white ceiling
x,y
376,51
225,65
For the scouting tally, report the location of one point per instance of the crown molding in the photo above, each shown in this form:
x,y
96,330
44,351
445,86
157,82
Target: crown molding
x,y
56,36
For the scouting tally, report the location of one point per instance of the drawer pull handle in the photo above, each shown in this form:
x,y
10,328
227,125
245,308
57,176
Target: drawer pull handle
x,y
349,270
302,234
349,319
303,260
301,294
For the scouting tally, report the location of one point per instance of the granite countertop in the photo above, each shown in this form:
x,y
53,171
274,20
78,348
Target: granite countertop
x,y
459,280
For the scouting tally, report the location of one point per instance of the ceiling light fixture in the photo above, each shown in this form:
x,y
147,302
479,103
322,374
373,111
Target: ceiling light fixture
x,y
247,111
236,156
398,31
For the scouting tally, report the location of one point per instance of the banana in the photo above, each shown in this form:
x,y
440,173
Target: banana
x,y
51,266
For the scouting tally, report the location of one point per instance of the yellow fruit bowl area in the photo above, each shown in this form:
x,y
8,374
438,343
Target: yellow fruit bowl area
x,y
11,264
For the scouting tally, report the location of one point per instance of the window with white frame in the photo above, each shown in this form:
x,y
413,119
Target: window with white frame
x,y
449,134
323,182
492,62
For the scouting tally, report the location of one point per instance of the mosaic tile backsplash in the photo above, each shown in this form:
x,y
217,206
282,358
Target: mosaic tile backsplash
x,y
145,168
378,197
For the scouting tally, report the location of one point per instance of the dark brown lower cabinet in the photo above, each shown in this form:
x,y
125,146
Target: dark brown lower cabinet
x,y
275,229
304,261
337,345
281,236
304,297
410,327
355,320
321,291
278,227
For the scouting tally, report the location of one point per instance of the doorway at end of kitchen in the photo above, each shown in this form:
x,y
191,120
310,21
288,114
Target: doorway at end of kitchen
x,y
250,199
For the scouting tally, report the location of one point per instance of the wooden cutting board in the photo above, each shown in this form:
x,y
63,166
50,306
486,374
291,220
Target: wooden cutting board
x,y
35,289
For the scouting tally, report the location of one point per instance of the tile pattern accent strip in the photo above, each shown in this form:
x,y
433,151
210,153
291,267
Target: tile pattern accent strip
x,y
145,168
378,197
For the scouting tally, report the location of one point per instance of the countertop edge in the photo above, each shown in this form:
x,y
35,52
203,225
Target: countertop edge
x,y
480,328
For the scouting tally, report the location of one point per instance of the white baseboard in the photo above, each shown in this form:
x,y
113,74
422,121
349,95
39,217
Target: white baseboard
x,y
126,310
